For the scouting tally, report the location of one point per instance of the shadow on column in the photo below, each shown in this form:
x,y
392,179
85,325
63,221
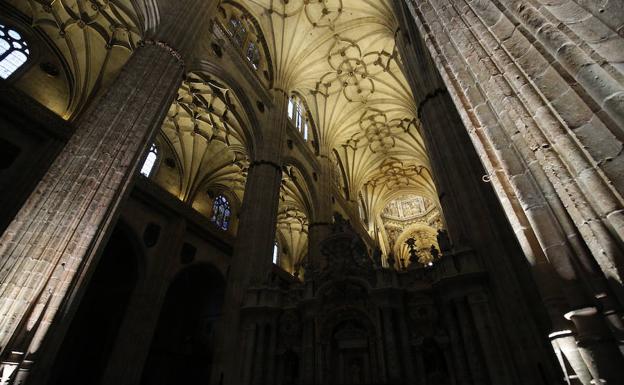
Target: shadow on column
x,y
181,351
87,346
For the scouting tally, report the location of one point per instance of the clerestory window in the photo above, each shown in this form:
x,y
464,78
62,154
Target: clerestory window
x,y
221,212
242,37
275,253
150,161
299,116
13,51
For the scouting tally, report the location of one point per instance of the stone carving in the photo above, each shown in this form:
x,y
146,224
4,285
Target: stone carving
x,y
352,71
443,241
378,132
323,13
396,174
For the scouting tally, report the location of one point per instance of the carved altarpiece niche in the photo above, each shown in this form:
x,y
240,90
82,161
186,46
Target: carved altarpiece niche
x,y
355,322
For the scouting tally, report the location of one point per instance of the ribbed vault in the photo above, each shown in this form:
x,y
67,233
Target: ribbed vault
x,y
95,39
340,56
204,142
293,220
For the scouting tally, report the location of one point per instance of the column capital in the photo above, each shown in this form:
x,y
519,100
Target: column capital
x,y
265,162
430,96
161,44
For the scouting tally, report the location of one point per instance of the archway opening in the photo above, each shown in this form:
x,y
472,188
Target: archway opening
x,y
86,349
182,347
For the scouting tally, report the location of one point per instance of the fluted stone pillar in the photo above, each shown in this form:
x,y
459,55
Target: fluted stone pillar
x,y
529,158
51,246
252,259
319,230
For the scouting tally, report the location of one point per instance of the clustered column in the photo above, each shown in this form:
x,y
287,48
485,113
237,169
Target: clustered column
x,y
49,249
252,259
544,180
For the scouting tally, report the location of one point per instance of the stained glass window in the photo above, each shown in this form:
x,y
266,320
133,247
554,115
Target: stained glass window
x,y
238,31
221,212
13,51
253,55
150,161
242,36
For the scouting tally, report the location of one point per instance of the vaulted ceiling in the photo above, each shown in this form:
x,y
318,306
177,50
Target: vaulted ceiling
x,y
94,38
341,56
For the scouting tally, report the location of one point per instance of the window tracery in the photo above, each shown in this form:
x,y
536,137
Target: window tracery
x,y
241,30
14,51
221,212
298,114
150,161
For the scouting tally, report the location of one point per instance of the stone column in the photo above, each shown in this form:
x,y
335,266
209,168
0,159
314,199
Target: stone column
x,y
320,229
307,350
51,245
393,363
494,355
508,142
135,335
252,259
602,357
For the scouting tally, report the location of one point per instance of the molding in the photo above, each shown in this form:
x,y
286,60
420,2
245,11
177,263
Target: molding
x,y
316,224
172,51
265,162
430,96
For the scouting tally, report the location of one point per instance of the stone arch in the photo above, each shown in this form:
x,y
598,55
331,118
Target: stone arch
x,y
149,14
45,76
401,250
349,347
247,113
84,353
226,10
295,213
182,347
208,135
95,43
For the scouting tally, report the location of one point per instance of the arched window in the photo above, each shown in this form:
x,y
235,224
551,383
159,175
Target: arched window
x,y
253,55
13,51
299,116
237,31
221,212
241,35
275,253
150,161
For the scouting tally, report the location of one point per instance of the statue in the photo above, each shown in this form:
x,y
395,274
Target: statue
x,y
340,223
435,254
443,241
411,244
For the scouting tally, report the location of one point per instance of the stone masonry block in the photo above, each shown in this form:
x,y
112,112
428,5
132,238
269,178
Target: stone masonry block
x,y
551,84
571,109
